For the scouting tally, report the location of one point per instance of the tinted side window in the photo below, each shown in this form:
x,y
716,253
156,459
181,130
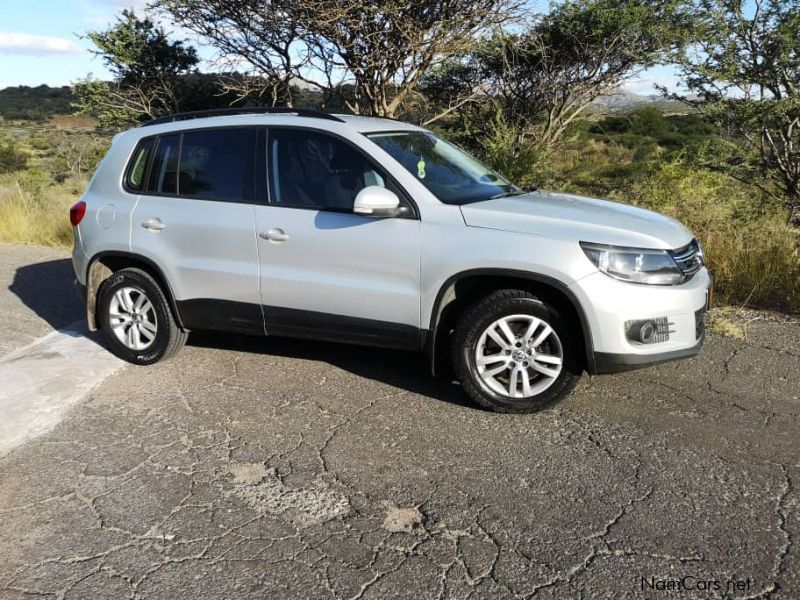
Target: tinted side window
x,y
313,170
138,165
217,164
164,170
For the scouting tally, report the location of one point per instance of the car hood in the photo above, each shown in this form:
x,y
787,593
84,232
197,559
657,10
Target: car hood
x,y
565,216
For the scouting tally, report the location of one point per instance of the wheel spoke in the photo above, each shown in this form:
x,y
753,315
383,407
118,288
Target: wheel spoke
x,y
148,326
496,370
526,383
120,323
137,339
543,334
146,306
139,302
510,337
121,306
144,332
552,373
129,337
548,358
531,330
126,295
512,382
492,333
491,359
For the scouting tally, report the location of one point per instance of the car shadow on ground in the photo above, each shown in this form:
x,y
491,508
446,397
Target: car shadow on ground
x,y
410,371
47,289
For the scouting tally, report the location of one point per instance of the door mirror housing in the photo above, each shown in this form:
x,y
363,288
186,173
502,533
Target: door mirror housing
x,y
377,201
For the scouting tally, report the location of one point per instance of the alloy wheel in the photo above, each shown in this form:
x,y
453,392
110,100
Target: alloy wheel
x,y
519,356
133,318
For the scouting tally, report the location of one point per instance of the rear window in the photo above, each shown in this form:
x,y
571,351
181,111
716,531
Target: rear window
x,y
216,164
212,164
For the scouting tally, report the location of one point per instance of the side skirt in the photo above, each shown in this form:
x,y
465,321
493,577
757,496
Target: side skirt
x,y
253,319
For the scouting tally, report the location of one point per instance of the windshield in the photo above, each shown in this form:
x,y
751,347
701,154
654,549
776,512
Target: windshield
x,y
452,175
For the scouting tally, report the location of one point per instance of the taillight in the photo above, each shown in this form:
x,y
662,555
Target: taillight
x,y
77,212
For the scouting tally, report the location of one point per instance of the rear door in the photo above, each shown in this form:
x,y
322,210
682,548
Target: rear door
x,y
195,220
326,272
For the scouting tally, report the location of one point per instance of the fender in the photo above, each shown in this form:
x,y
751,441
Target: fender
x,y
430,341
91,288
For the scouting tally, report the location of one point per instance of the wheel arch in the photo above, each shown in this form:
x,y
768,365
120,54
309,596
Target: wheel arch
x,y
459,291
104,264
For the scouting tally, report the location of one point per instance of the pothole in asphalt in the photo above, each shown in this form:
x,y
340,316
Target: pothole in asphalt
x,y
402,520
264,492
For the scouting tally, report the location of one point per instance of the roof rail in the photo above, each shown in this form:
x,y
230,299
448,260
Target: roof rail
x,y
255,110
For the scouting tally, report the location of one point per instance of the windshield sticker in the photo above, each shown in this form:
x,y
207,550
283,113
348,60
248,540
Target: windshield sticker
x,y
421,168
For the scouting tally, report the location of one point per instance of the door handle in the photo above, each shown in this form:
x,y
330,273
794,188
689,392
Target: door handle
x,y
275,235
153,224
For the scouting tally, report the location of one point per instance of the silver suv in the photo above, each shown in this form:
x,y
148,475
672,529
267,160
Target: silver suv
x,y
372,231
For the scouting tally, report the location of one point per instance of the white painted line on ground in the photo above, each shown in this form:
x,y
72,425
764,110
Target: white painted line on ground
x,y
41,381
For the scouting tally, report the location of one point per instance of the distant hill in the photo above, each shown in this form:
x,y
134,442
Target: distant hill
x,y
34,103
623,101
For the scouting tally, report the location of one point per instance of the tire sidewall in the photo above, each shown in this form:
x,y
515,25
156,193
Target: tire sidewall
x,y
467,344
134,279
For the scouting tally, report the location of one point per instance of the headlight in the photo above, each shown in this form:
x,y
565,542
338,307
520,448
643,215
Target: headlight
x,y
635,265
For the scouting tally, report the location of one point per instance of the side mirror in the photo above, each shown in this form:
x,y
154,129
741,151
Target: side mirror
x,y
376,201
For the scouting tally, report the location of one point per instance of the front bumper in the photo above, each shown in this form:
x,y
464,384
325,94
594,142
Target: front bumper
x,y
605,362
609,304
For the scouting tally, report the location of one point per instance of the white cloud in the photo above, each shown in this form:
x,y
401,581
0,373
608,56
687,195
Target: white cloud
x,y
36,45
133,4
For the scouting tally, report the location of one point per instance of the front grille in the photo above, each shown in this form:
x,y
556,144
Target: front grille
x,y
688,258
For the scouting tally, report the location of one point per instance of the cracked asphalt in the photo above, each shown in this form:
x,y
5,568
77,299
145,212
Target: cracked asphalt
x,y
272,468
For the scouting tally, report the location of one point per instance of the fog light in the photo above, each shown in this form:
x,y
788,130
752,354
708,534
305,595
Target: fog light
x,y
648,331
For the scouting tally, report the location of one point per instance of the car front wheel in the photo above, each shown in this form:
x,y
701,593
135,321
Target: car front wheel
x,y
513,353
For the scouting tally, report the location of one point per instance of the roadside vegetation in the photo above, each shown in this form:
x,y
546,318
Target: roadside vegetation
x,y
526,93
43,170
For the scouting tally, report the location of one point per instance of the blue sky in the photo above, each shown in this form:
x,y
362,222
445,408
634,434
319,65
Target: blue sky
x,y
39,42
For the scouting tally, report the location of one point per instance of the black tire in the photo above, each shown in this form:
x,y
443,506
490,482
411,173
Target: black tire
x,y
169,338
479,317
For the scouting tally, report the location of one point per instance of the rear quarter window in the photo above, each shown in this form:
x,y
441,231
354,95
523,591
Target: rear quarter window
x,y
137,167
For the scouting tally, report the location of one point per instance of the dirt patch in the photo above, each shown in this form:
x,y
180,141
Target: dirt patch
x,y
402,520
264,492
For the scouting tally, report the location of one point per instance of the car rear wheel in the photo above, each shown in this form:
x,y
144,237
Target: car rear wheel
x,y
513,353
136,319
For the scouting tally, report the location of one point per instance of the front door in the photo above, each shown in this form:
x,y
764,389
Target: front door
x,y
327,273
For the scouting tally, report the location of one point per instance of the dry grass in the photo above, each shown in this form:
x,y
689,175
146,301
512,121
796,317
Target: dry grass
x,y
728,321
33,211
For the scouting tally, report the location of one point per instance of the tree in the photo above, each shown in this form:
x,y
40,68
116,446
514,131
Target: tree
x,y
264,37
741,66
371,54
146,66
545,77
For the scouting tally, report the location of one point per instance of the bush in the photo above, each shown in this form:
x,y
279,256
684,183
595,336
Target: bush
x,y
11,158
751,252
518,158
